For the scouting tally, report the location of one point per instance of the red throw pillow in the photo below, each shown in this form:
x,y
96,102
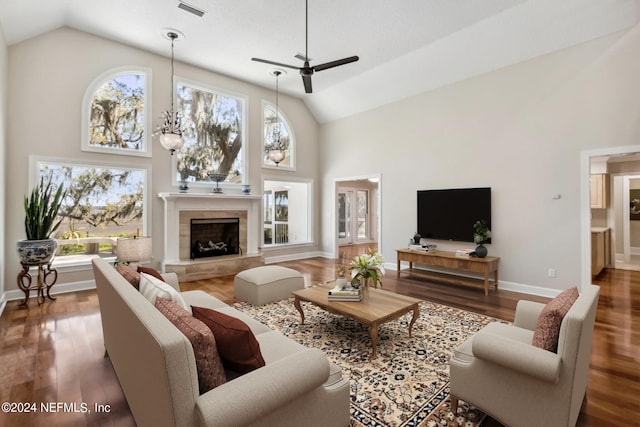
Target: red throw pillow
x,y
210,368
151,271
129,274
237,346
547,329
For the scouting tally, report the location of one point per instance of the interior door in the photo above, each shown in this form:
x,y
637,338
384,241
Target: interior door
x,y
344,217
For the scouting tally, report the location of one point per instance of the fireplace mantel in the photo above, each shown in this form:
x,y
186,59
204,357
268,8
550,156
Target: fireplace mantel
x,y
176,202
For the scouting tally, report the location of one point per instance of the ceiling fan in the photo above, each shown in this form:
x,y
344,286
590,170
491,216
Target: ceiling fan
x,y
306,71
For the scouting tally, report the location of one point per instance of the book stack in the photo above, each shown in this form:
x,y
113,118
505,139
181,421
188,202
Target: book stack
x,y
465,253
344,294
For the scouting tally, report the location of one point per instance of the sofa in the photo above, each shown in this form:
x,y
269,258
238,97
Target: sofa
x,y
156,368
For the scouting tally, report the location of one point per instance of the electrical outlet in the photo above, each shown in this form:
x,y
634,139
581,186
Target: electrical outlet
x,y
552,272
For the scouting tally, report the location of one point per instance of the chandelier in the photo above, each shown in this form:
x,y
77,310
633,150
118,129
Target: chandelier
x,y
171,131
276,153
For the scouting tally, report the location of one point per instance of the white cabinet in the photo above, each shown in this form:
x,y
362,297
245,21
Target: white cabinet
x,y
598,191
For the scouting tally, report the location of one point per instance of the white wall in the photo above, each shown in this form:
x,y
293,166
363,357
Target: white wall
x,y
519,130
48,76
3,158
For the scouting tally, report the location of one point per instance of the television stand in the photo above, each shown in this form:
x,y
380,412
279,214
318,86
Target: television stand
x,y
449,260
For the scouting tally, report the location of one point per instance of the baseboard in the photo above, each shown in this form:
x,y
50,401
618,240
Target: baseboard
x,y
62,288
3,303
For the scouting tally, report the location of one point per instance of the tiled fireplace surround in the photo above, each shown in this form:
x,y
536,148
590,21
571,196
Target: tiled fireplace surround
x,y
180,208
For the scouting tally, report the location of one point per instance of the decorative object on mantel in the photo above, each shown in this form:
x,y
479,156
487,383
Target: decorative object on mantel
x,y
40,222
171,131
246,189
183,186
276,150
481,234
217,177
367,268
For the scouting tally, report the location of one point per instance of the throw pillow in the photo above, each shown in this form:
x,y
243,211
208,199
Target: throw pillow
x,y
208,364
129,274
547,329
238,347
152,271
152,288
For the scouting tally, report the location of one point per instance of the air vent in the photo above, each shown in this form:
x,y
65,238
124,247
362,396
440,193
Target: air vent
x,y
191,9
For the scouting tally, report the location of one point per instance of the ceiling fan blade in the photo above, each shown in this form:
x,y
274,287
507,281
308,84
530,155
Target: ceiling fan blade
x,y
279,64
336,63
306,79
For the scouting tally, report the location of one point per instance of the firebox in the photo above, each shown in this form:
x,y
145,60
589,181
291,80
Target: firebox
x,y
214,237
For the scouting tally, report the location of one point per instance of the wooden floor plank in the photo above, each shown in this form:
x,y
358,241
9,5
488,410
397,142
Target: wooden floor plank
x,y
54,352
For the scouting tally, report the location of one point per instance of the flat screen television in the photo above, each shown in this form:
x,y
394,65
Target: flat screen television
x,y
450,214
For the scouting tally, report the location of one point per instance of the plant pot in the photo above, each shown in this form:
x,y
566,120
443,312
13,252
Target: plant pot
x,y
481,251
34,252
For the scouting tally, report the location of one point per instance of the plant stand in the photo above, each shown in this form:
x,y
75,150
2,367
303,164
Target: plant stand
x,y
47,277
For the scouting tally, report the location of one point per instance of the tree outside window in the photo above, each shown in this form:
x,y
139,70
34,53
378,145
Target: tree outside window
x,y
115,114
102,202
213,125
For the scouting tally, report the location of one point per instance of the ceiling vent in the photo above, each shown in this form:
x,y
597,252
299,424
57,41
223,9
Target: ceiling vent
x,y
191,9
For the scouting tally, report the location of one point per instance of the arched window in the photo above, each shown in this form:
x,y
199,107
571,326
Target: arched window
x,y
115,116
272,129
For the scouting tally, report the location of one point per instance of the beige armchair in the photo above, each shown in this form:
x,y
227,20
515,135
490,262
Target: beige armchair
x,y
501,373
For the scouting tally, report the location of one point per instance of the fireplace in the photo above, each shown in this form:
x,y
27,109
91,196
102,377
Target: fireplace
x,y
210,237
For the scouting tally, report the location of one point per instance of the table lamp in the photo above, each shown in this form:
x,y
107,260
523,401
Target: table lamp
x,y
132,250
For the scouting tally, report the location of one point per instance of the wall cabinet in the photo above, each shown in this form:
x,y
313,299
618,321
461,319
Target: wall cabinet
x,y
598,191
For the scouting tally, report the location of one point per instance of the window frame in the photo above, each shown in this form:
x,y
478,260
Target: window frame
x,y
100,80
268,164
310,214
34,178
244,101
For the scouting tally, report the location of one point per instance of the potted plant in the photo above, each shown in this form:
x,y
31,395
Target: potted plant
x,y
481,235
365,268
40,222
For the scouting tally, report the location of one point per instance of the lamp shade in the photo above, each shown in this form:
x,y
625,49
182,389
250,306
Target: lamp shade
x,y
134,249
171,141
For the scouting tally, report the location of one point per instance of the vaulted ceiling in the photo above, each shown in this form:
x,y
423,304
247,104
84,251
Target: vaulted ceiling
x,y
406,47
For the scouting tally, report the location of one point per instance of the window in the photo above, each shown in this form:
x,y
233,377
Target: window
x,y
103,202
114,116
214,133
287,212
273,128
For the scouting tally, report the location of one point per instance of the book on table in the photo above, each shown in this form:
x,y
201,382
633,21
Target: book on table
x,y
347,293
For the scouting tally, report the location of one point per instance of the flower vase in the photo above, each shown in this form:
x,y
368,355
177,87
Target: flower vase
x,y
481,251
364,288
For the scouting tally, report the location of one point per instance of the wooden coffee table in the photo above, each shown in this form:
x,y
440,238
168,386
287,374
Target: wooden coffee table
x,y
380,307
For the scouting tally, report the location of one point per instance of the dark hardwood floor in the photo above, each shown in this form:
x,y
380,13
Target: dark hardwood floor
x,y
53,353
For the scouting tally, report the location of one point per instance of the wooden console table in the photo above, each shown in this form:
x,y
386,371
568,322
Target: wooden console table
x,y
449,260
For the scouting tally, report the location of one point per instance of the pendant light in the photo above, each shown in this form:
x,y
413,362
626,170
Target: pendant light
x,y
171,131
277,154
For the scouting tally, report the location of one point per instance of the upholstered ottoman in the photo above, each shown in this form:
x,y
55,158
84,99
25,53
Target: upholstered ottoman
x,y
269,283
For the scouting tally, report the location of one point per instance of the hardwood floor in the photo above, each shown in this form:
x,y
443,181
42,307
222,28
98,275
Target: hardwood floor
x,y
54,352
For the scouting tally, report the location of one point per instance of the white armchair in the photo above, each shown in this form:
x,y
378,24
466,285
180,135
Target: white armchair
x,y
500,372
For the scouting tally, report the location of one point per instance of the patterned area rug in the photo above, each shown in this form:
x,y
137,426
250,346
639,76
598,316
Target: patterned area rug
x,y
408,383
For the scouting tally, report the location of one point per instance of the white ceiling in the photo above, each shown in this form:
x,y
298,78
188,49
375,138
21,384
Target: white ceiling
x,y
405,47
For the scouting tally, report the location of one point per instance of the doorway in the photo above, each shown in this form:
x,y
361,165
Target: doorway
x,y
357,215
619,169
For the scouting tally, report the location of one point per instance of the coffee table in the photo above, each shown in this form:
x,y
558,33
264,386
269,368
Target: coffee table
x,y
380,307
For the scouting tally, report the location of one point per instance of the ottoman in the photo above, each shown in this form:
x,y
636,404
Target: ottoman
x,y
269,283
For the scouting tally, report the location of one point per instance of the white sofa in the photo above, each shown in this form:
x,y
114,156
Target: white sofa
x,y
156,367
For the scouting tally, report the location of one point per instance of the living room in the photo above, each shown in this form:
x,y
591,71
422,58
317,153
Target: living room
x,y
521,129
